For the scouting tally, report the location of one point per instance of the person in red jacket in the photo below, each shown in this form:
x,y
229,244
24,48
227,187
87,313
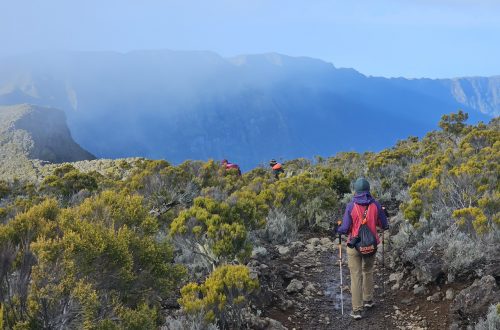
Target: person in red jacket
x,y
362,207
277,168
228,166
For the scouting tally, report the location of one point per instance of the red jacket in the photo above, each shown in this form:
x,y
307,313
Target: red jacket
x,y
231,166
354,215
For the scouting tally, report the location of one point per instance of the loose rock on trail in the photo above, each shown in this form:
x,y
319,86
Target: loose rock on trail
x,y
300,288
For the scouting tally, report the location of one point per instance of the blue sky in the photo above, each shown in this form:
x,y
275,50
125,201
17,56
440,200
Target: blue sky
x,y
410,38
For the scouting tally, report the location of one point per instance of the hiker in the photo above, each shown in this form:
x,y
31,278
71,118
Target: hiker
x,y
360,257
228,166
277,168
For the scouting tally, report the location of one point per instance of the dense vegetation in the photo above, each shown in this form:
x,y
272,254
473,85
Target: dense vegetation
x,y
112,249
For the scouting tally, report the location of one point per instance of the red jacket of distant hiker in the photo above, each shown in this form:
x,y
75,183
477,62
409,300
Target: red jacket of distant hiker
x,y
278,167
231,166
354,215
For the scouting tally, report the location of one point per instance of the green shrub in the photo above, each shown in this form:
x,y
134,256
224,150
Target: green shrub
x,y
222,296
67,181
219,230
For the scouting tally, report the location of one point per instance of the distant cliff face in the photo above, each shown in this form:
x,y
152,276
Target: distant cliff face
x,y
29,133
185,105
478,93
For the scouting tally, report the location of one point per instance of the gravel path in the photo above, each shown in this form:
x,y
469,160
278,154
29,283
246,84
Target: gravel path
x,y
305,284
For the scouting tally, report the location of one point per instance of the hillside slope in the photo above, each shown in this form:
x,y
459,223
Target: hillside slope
x,y
197,246
199,105
30,133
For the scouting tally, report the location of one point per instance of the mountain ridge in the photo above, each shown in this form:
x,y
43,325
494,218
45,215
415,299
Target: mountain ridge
x,y
198,105
273,58
31,135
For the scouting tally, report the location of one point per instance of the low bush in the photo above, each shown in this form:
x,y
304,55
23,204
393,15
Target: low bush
x,y
193,321
218,230
222,296
438,249
280,228
492,320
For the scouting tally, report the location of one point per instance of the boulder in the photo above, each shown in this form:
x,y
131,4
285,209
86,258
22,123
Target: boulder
x,y
254,267
418,290
286,305
305,260
428,273
325,241
257,323
473,302
263,267
285,272
259,252
310,290
311,247
450,294
260,323
295,286
435,297
407,301
428,268
274,325
296,246
314,241
283,250
395,277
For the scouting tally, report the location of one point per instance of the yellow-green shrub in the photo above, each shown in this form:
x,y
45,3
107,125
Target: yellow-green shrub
x,y
225,291
105,255
222,226
472,216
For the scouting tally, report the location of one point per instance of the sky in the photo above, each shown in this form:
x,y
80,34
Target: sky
x,y
390,38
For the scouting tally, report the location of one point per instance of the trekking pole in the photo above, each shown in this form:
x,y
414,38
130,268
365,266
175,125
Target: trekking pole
x,y
341,279
383,263
387,216
383,250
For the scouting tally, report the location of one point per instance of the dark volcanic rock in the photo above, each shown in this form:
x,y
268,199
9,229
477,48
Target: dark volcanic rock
x,y
473,302
429,268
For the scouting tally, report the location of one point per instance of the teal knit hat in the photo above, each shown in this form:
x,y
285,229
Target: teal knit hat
x,y
361,185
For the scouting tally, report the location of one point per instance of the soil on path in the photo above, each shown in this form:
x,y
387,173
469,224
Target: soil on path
x,y
303,282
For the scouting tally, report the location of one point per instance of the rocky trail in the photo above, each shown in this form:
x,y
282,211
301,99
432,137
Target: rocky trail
x,y
302,285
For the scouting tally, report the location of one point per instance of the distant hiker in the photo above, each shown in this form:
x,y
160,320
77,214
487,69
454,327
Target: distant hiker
x,y
228,166
277,168
362,215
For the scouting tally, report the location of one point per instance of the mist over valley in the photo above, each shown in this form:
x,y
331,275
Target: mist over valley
x,y
179,105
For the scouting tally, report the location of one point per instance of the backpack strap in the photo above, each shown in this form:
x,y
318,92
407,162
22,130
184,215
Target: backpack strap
x,y
365,213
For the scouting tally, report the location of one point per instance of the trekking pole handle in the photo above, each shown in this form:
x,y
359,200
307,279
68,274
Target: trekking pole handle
x,y
338,225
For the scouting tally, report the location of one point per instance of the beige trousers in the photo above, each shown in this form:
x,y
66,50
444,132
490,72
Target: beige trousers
x,y
361,269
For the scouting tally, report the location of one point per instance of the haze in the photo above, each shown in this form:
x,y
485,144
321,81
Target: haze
x,y
441,38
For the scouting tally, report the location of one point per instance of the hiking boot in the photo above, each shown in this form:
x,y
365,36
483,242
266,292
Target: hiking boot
x,y
356,315
369,304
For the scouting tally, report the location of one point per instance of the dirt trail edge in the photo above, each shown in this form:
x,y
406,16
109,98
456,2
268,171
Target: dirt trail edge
x,y
300,285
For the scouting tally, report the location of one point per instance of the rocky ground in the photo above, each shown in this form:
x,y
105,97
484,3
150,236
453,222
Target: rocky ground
x,y
300,286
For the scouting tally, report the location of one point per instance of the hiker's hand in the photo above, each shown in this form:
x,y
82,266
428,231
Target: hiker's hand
x,y
334,229
336,226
